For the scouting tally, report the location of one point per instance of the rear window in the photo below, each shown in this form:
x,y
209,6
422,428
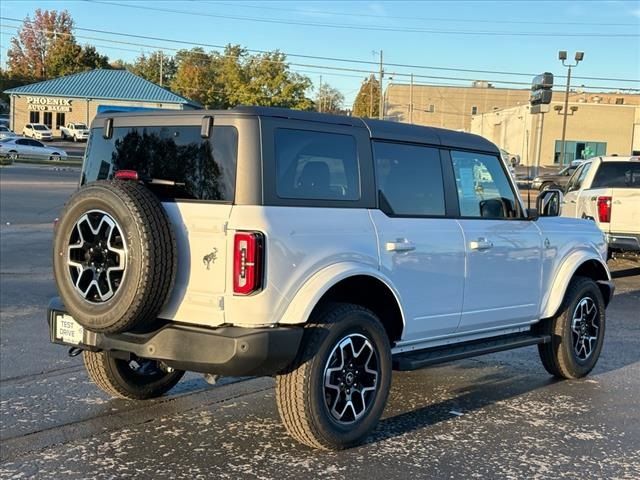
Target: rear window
x,y
617,175
316,165
175,162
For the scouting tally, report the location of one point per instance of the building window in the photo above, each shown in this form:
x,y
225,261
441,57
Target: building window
x,y
59,120
48,119
34,117
474,110
620,101
432,108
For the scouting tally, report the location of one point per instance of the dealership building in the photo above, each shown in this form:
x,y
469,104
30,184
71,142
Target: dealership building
x,y
80,97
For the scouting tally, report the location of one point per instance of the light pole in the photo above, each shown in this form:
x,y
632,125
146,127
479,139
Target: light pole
x,y
562,56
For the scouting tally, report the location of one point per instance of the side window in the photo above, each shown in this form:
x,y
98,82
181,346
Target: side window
x,y
409,178
316,165
22,141
483,188
578,177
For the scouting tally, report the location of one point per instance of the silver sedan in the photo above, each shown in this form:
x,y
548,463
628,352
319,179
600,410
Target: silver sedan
x,y
17,147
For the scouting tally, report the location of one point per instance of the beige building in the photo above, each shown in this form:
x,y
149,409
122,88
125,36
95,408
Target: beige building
x,y
592,129
453,107
80,97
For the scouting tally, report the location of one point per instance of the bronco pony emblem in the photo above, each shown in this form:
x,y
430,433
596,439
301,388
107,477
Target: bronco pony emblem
x,y
207,260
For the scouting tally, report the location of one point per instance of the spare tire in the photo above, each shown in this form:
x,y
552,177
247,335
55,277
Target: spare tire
x,y
114,256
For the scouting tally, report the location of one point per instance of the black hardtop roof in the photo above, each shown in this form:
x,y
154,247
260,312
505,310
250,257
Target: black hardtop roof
x,y
378,129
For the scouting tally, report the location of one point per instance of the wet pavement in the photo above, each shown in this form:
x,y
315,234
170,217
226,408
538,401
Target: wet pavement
x,y
497,416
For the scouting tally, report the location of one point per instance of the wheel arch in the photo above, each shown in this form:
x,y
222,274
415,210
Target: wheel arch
x,y
582,264
352,283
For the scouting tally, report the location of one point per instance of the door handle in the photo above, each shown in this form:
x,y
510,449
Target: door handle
x,y
400,245
480,244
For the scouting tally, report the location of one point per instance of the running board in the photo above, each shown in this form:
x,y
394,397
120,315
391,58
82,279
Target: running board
x,y
448,353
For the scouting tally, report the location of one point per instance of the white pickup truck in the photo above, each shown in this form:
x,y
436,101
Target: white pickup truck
x,y
76,131
607,191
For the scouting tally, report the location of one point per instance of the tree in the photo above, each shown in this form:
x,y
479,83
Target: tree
x,y
149,67
236,77
329,99
45,47
367,103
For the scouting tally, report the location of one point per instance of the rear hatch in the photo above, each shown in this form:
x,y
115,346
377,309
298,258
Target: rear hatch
x,y
194,178
622,179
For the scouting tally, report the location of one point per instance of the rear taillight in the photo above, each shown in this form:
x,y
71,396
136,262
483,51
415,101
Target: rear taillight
x,y
248,252
127,175
604,209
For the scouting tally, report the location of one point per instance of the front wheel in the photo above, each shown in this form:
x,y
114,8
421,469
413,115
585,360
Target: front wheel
x,y
334,393
135,379
55,157
577,331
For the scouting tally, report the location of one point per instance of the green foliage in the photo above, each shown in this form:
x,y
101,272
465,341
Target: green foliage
x,y
149,67
45,47
236,77
367,103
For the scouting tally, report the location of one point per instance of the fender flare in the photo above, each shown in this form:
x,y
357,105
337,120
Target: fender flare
x,y
555,295
307,297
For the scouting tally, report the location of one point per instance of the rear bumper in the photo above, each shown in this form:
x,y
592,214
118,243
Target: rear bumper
x,y
625,242
224,351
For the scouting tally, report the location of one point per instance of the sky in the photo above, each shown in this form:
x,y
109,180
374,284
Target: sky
x,y
440,42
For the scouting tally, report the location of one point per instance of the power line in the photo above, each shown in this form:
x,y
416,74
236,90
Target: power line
x,y
380,28
324,58
304,65
426,19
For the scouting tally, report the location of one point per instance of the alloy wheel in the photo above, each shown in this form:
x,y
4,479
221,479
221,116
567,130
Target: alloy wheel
x,y
585,328
97,256
351,378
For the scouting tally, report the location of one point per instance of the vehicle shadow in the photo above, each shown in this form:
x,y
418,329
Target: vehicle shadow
x,y
484,391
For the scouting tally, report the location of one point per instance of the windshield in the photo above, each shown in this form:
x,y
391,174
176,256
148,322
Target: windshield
x,y
566,170
6,140
40,127
617,175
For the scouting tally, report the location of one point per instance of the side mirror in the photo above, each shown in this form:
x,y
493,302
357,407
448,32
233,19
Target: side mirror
x,y
549,203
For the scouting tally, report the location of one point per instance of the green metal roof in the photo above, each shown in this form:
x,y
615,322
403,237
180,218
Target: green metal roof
x,y
103,84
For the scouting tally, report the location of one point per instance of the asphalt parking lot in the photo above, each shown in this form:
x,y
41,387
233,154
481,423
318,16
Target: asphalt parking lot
x,y
497,416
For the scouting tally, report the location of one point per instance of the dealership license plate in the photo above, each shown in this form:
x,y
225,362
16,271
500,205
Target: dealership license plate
x,y
68,330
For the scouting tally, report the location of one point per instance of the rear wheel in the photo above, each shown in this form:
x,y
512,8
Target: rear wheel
x,y
546,186
135,379
13,155
334,393
55,157
577,331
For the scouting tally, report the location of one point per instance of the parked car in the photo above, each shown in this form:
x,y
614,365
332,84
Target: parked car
x,y
607,191
16,147
76,131
6,132
324,250
37,131
554,180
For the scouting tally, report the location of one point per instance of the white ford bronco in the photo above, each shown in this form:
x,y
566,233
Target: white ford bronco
x,y
326,251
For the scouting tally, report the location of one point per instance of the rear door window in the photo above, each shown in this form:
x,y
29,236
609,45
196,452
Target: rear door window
x,y
175,162
409,178
617,175
316,165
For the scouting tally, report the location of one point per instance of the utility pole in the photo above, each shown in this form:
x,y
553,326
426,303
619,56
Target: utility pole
x,y
381,110
411,100
562,55
371,96
320,95
161,66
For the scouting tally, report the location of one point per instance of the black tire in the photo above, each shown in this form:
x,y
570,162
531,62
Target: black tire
x,y
563,356
117,378
137,290
55,157
546,186
302,397
75,138
13,155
